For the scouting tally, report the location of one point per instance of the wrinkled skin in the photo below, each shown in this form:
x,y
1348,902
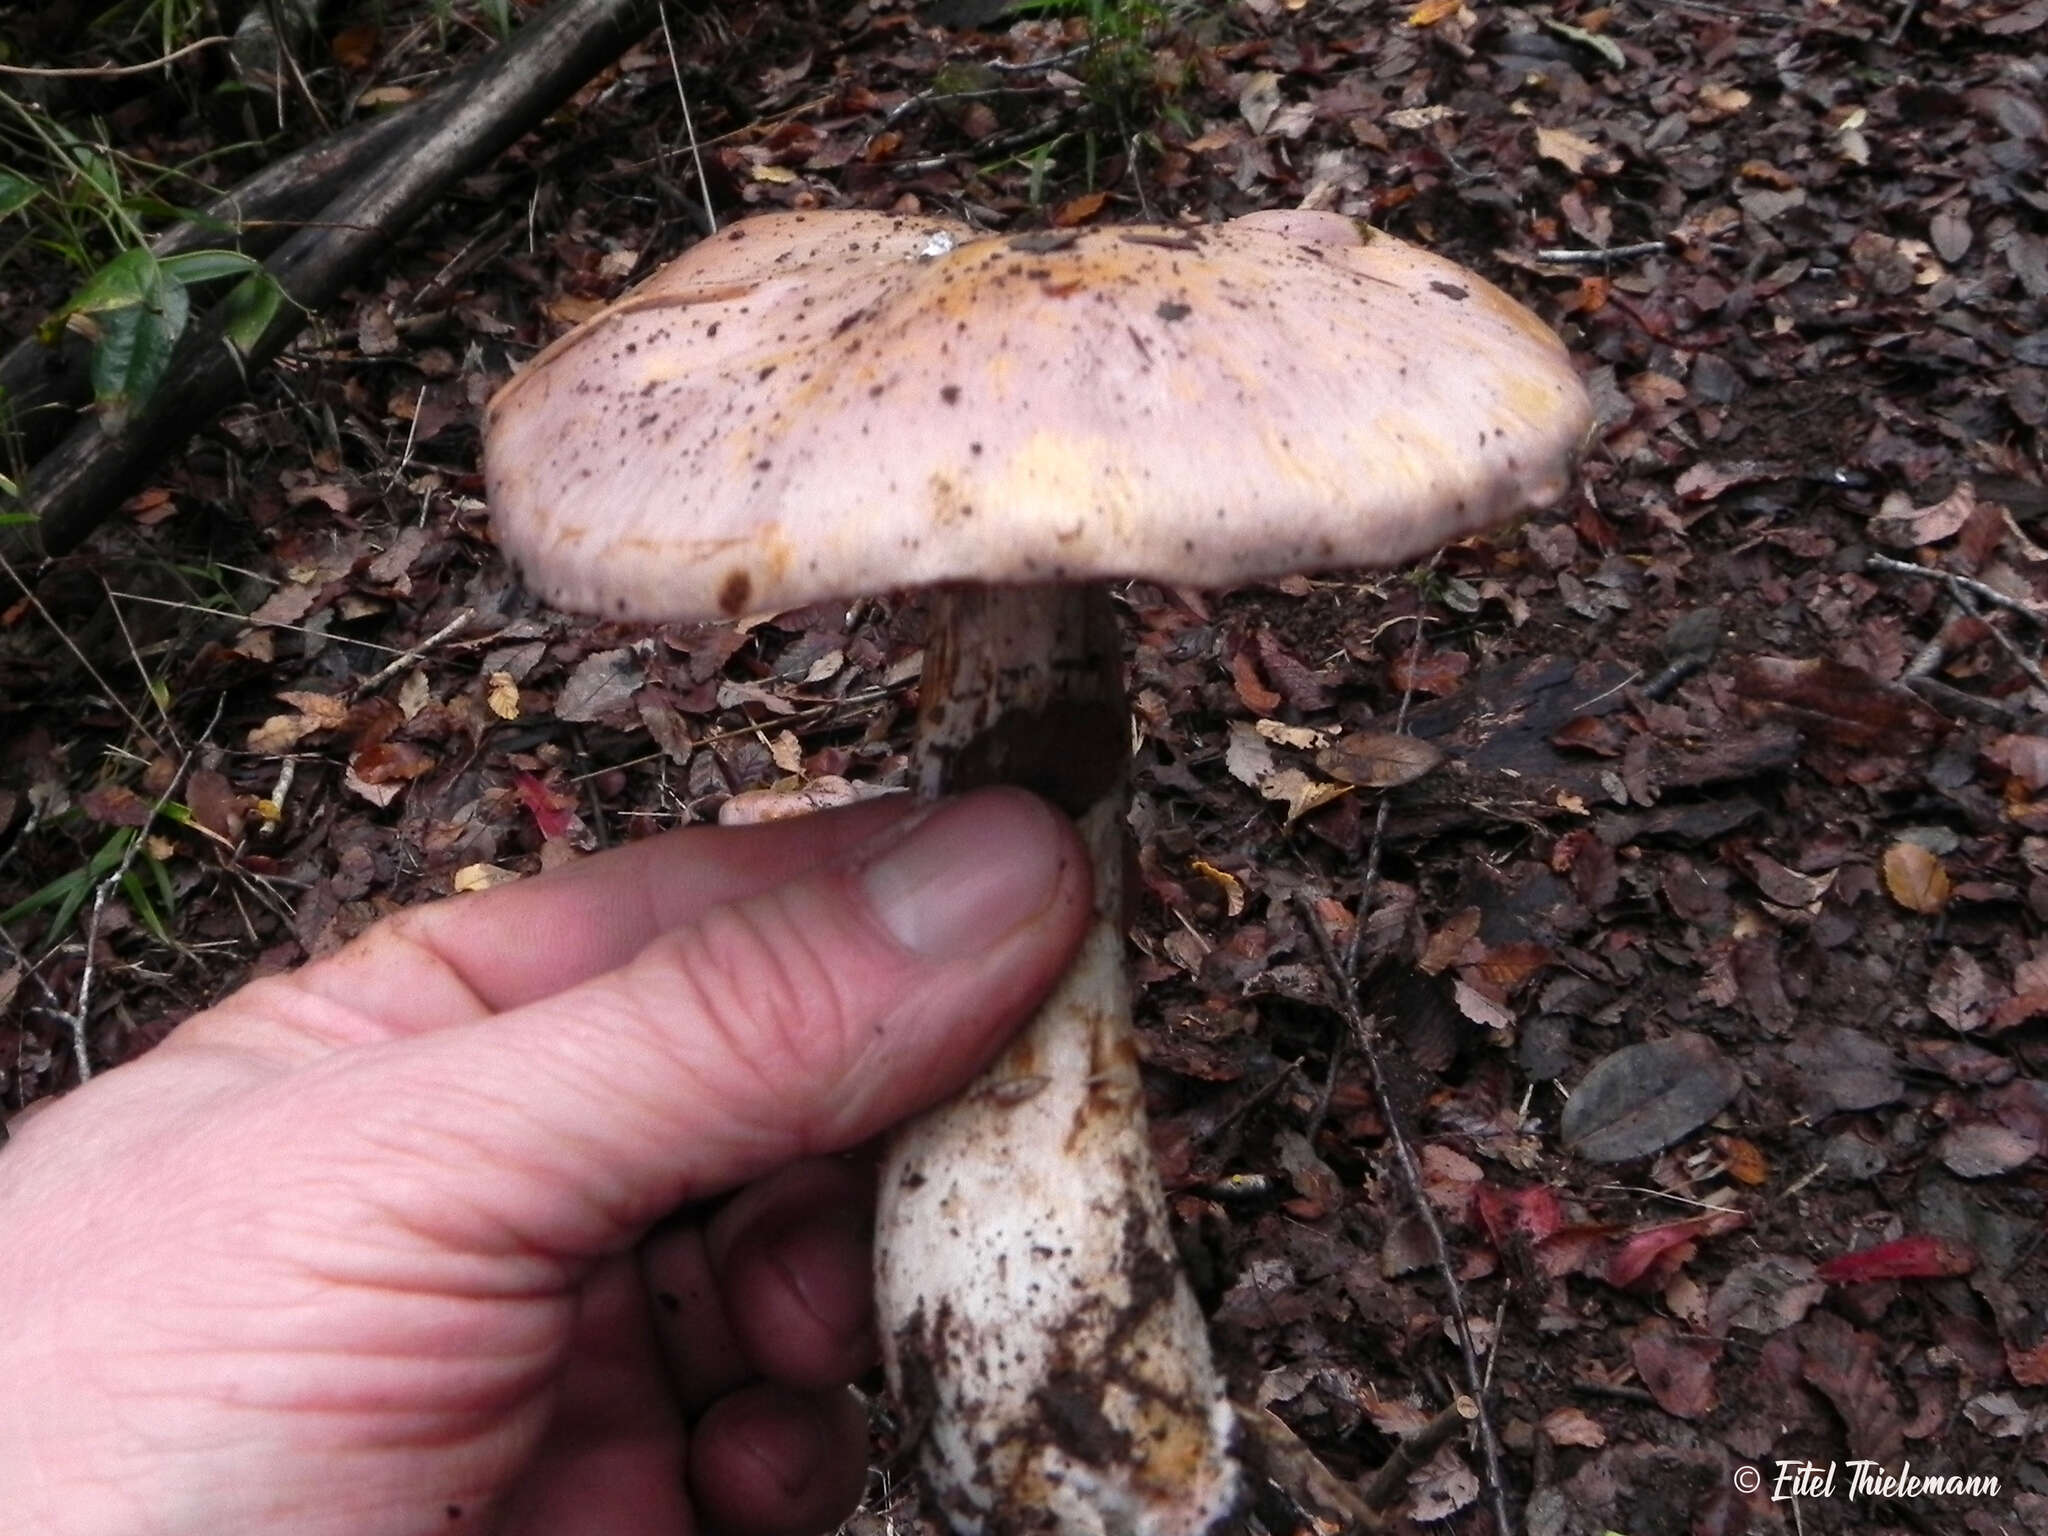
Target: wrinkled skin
x,y
419,1238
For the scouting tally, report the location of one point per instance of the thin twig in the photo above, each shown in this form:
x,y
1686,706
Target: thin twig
x,y
689,126
81,1016
1057,61
1369,886
1571,256
412,654
112,71
64,638
1967,592
1363,1036
1970,584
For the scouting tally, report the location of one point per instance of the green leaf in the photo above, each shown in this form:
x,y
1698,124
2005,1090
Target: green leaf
x,y
16,193
205,266
248,309
135,348
125,281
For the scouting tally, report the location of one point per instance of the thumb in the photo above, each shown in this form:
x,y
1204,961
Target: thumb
x,y
801,1020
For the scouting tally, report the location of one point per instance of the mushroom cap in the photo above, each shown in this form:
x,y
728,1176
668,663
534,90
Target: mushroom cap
x,y
813,405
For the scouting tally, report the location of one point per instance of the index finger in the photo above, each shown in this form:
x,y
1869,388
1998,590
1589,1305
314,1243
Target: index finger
x,y
451,961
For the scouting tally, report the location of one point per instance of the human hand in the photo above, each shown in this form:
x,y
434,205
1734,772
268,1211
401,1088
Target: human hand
x,y
364,1249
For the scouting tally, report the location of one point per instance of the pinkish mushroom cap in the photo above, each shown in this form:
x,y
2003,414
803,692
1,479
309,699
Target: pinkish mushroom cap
x,y
812,405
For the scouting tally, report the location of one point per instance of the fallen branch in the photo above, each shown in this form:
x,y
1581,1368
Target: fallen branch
x,y
94,469
42,388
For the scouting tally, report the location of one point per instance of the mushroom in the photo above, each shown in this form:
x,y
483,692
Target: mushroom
x,y
814,405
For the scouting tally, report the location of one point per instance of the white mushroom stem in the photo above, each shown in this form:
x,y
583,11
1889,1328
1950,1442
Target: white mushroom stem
x,y
1048,1353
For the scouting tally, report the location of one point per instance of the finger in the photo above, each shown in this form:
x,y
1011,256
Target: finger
x,y
448,962
705,1360
613,1456
798,1022
771,1461
794,1259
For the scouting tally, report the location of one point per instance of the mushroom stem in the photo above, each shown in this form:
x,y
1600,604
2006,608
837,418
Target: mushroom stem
x,y
1045,1346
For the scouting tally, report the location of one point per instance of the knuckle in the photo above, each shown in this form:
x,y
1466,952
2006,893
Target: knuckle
x,y
765,1000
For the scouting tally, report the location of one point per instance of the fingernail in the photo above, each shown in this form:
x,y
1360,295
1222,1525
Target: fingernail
x,y
969,873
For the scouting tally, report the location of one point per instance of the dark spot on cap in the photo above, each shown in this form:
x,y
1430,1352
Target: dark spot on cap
x,y
1172,311
1449,290
734,592
950,394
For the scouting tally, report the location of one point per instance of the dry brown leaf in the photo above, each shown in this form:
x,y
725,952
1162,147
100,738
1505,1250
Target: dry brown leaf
x,y
1572,1426
503,696
1231,887
1078,210
1430,12
1446,947
1379,760
1915,878
2024,757
1568,149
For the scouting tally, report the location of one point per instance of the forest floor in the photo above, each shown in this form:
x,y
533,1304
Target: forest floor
x,y
1711,960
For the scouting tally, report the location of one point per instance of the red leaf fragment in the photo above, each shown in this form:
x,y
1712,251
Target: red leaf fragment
x,y
1645,1260
1506,1214
1905,1258
552,811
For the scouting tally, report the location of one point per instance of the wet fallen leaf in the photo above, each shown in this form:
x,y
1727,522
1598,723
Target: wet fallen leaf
x,y
1915,878
1644,1097
1430,12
